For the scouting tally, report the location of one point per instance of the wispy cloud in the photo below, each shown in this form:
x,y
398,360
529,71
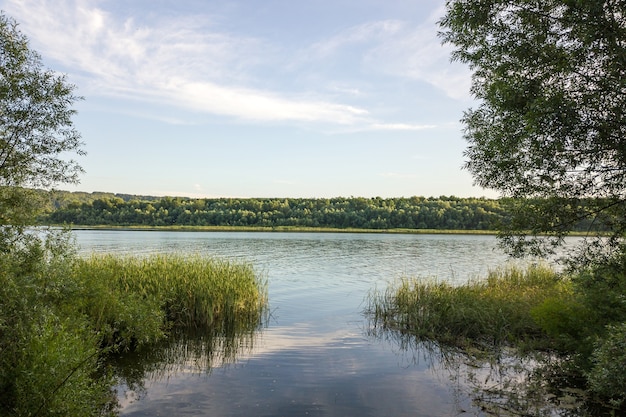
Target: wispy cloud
x,y
188,63
285,182
172,61
417,53
369,127
399,49
364,34
398,126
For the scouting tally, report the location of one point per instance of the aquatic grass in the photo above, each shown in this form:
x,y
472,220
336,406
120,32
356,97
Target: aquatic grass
x,y
493,311
138,299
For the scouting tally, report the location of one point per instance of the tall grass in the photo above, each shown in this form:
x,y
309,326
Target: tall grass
x,y
133,301
61,316
492,311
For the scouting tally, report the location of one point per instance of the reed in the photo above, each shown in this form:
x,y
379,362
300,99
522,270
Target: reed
x,y
135,301
493,311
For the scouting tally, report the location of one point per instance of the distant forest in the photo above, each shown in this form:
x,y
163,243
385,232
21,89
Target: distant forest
x,y
97,209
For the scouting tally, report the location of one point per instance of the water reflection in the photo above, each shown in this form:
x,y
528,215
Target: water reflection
x,y
497,382
302,375
315,356
184,352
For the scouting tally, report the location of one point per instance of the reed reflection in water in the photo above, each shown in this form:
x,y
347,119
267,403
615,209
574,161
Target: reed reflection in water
x,y
315,356
183,352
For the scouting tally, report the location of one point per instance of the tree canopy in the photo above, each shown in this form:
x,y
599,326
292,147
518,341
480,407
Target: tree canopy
x,y
36,129
444,213
549,128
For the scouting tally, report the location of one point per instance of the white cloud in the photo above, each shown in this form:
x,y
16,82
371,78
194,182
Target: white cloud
x,y
396,48
417,53
285,182
173,62
363,33
186,63
399,126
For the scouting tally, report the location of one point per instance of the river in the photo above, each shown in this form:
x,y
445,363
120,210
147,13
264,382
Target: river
x,y
315,356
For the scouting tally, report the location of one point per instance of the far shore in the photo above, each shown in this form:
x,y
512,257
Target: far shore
x,y
295,229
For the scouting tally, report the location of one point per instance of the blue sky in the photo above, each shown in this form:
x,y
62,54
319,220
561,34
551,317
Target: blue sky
x,y
259,98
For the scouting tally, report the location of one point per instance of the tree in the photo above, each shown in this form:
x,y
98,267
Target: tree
x,y
36,127
549,129
49,356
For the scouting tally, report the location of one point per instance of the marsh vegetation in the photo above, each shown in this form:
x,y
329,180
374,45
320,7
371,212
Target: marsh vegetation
x,y
65,320
557,336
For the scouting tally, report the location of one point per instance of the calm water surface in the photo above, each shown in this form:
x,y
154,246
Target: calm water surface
x,y
315,357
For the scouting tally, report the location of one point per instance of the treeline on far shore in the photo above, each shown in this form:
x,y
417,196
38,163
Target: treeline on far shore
x,y
352,212
440,213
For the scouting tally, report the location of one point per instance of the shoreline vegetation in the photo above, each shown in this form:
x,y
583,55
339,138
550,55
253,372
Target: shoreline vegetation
x,y
67,320
445,214
571,326
285,229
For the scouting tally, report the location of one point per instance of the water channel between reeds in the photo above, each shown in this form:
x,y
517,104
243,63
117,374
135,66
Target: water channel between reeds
x,y
316,355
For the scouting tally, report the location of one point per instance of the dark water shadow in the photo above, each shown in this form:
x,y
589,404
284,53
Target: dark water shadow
x,y
499,381
184,351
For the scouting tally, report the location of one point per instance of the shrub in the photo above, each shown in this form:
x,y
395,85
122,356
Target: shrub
x,y
607,378
49,361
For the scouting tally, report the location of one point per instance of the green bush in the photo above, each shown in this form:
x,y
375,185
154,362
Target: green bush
x,y
602,290
564,319
55,370
49,361
607,378
576,318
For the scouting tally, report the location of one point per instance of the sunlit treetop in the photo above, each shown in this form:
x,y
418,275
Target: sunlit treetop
x,y
550,80
36,129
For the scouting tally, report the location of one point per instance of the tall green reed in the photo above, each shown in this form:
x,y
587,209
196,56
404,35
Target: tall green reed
x,y
492,311
136,300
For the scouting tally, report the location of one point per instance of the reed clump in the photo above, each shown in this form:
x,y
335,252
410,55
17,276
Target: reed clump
x,y
134,301
490,312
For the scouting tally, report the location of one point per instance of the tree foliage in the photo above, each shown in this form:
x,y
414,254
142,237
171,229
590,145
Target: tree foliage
x,y
48,358
36,129
549,130
550,125
354,212
444,212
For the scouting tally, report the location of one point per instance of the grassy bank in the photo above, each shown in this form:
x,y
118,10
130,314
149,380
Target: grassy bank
x,y
295,229
61,316
493,311
575,324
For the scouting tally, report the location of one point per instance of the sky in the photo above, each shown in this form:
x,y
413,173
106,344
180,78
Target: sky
x,y
259,98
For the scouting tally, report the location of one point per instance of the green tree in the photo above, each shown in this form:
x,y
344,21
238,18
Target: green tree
x,y
549,128
35,128
48,359
549,131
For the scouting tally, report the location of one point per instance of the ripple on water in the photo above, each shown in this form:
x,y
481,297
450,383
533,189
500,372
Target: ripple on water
x,y
314,357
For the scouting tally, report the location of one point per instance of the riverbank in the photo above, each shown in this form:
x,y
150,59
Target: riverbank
x,y
294,229
288,229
